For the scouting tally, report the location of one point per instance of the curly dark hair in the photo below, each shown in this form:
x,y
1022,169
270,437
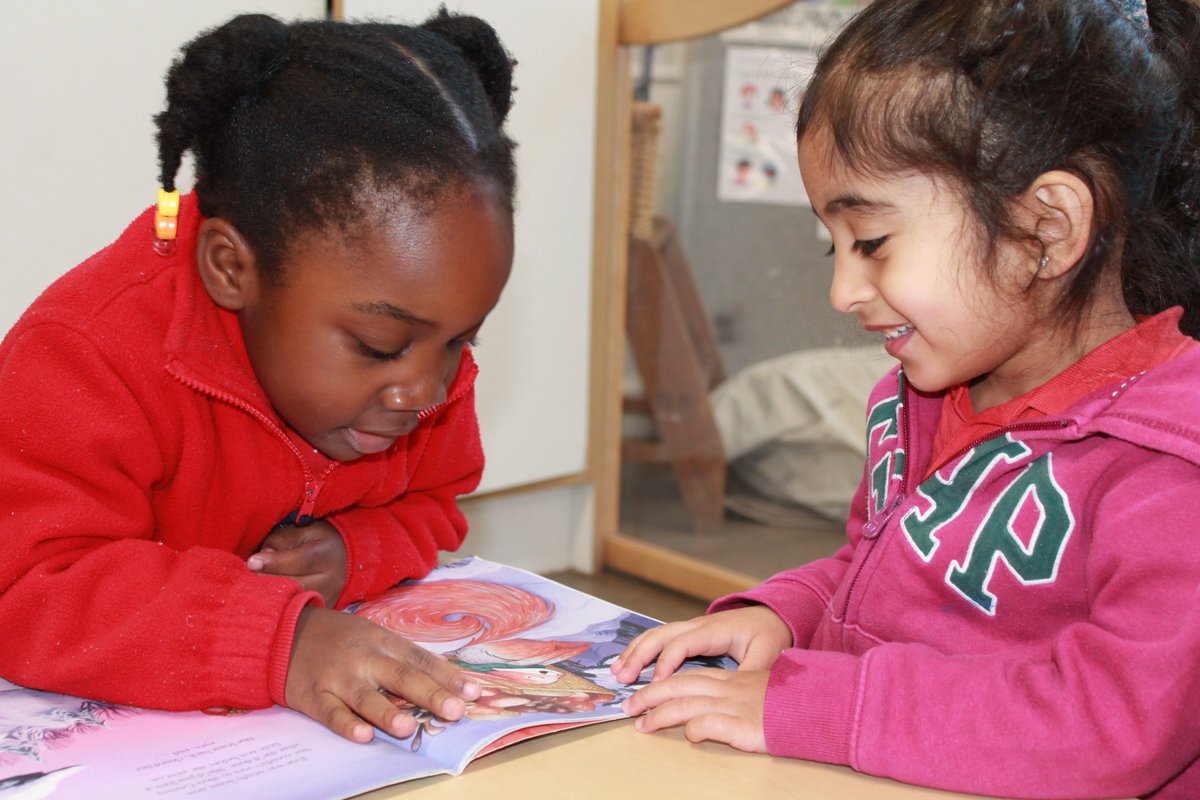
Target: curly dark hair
x,y
989,94
289,123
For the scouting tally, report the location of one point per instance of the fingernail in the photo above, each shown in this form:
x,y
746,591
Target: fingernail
x,y
470,690
452,708
255,563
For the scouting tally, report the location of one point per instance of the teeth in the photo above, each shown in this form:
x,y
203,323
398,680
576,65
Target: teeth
x,y
896,334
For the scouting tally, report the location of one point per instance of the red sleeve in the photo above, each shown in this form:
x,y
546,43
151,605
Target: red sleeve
x,y
401,539
91,603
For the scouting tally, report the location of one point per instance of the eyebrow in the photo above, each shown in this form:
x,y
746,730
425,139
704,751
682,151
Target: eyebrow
x,y
858,203
385,309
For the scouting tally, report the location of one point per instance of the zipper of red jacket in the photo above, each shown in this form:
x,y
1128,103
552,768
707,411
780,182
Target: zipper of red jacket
x,y
426,413
312,483
874,527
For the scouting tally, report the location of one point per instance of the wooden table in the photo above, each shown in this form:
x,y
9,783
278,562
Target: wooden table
x,y
612,760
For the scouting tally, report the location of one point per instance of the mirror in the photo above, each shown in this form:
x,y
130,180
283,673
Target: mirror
x,y
743,392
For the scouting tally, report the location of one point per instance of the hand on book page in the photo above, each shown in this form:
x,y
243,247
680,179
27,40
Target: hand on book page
x,y
540,653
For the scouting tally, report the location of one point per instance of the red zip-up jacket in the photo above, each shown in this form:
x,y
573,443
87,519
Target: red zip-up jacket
x,y
141,464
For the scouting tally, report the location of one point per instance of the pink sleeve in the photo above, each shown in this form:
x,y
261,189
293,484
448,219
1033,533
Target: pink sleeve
x,y
800,596
1107,709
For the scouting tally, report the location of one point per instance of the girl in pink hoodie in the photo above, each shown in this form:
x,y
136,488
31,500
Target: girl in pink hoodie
x,y
1012,193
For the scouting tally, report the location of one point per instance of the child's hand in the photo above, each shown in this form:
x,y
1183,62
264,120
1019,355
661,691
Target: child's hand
x,y
313,554
754,636
342,665
714,704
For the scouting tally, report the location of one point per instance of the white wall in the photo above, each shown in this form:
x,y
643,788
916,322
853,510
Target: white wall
x,y
81,82
543,531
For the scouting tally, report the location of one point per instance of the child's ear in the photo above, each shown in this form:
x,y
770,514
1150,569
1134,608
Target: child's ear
x,y
1062,208
227,264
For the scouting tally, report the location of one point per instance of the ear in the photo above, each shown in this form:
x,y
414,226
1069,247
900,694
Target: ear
x,y
1062,209
227,264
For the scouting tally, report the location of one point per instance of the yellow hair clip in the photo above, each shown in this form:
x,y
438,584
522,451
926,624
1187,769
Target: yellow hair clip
x,y
166,222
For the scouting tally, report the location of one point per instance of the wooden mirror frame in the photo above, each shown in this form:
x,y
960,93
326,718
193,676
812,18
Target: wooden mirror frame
x,y
625,23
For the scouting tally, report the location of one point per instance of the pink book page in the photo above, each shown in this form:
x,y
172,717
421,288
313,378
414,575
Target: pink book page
x,y
541,651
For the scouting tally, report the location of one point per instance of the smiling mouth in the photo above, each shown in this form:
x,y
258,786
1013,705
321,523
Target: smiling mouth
x,y
898,332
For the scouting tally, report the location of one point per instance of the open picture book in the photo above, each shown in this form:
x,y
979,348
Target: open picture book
x,y
541,651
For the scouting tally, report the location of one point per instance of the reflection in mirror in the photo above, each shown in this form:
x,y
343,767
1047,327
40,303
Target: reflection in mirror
x,y
745,393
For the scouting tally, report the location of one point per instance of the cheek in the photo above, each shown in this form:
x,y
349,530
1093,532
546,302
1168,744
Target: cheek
x,y
309,379
910,292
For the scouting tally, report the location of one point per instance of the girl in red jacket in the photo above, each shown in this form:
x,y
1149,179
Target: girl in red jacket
x,y
257,404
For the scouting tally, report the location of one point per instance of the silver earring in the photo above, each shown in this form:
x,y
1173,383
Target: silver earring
x,y
1043,262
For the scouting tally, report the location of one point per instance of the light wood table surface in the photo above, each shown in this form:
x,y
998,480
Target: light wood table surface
x,y
612,760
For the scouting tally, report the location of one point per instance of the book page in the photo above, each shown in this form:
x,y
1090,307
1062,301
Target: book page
x,y
540,650
82,748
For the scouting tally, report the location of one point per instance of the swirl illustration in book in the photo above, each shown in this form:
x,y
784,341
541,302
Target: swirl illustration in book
x,y
483,623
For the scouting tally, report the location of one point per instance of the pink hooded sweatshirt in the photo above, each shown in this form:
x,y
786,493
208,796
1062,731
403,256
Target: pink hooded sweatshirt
x,y
1025,622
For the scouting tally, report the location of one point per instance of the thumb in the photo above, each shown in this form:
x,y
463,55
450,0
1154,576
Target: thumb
x,y
759,655
293,563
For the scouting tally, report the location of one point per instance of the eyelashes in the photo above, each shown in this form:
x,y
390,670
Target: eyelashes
x,y
381,355
869,246
864,247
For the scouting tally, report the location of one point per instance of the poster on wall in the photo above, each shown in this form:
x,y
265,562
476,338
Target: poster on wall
x,y
758,137
767,64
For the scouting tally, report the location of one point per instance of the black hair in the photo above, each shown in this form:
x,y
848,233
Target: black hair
x,y
989,94
290,122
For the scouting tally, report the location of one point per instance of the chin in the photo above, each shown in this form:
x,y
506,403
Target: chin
x,y
333,450
926,384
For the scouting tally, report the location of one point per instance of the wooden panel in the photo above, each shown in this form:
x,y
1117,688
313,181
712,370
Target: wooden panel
x,y
683,285
670,568
613,760
656,21
675,381
613,119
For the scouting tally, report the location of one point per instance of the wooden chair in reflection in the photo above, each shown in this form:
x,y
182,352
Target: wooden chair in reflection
x,y
673,346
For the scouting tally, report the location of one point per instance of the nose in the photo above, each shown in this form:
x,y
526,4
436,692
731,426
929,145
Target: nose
x,y
851,287
416,389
